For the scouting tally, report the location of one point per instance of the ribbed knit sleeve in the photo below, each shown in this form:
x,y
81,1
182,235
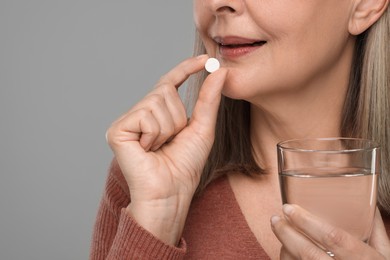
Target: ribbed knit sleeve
x,y
117,235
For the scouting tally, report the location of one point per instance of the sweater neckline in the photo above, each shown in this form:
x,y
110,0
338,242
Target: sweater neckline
x,y
237,209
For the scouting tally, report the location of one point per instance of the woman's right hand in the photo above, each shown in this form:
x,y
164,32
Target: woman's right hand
x,y
162,155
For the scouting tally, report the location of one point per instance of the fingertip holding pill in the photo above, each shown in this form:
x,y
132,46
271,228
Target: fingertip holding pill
x,y
212,64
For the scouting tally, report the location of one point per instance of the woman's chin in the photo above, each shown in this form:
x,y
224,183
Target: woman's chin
x,y
231,93
240,84
236,91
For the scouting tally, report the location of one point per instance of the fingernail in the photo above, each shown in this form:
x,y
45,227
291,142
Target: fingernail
x,y
288,209
275,219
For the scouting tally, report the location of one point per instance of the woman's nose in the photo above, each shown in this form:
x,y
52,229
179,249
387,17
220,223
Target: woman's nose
x,y
220,7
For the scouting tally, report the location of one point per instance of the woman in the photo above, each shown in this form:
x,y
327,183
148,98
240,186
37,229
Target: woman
x,y
208,188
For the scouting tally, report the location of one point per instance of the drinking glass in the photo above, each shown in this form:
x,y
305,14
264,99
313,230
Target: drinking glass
x,y
333,178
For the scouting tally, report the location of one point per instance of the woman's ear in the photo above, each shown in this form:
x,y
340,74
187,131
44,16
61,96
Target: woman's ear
x,y
365,13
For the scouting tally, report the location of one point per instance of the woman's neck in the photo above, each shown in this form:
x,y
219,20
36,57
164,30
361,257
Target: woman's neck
x,y
267,129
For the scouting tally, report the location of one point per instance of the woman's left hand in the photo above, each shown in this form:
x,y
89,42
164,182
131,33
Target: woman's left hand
x,y
298,228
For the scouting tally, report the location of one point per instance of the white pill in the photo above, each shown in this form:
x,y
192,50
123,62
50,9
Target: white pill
x,y
212,64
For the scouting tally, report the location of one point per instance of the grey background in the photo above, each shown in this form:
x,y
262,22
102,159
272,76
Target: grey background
x,y
67,70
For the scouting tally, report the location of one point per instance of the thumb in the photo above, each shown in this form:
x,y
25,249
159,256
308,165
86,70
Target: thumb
x,y
205,112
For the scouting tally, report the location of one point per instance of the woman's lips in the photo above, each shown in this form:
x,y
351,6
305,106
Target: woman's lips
x,y
238,50
234,47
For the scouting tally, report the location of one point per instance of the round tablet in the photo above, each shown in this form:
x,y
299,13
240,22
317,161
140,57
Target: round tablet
x,y
212,65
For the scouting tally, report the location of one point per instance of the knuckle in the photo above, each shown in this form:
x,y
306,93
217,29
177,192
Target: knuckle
x,y
181,123
334,237
152,130
165,83
155,100
181,120
143,113
167,132
310,252
185,70
167,89
162,81
149,137
111,136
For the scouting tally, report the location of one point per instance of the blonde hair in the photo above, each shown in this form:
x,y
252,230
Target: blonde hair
x,y
373,112
366,111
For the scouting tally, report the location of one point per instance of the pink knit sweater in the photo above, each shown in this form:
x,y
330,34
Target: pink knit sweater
x,y
215,227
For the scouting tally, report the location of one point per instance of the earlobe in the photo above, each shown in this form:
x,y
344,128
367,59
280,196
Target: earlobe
x,y
365,13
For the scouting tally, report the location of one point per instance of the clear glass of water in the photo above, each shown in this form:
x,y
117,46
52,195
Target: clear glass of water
x,y
333,178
